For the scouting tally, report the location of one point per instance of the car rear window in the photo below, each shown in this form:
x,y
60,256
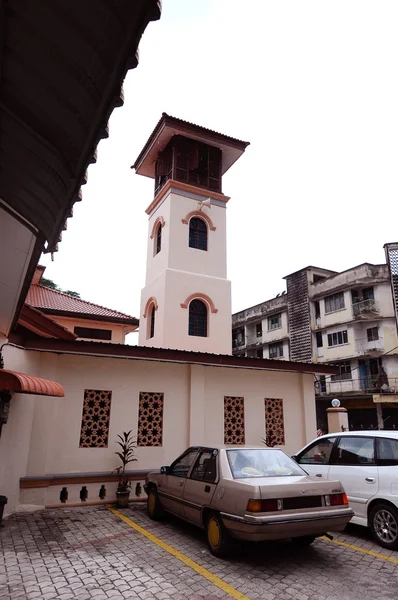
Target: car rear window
x,y
246,463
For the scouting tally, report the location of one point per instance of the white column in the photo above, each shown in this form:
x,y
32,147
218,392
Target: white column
x,y
197,406
337,419
308,404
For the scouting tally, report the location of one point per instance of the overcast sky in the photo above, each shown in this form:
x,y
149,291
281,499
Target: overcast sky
x,y
312,85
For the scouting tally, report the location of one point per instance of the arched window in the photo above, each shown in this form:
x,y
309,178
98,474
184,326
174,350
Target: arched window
x,y
152,321
197,318
197,233
158,239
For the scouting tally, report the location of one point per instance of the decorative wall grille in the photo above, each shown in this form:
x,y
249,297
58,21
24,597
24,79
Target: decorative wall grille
x,y
298,307
274,424
234,420
150,419
392,261
95,419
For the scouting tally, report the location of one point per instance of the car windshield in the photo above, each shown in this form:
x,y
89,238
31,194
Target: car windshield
x,y
262,463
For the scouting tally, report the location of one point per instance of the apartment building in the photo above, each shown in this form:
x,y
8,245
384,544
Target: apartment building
x,y
347,319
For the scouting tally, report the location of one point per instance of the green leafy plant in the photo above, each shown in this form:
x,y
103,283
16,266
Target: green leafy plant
x,y
269,440
127,445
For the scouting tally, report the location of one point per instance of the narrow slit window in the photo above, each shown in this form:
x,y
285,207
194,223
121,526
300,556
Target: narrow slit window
x,y
158,239
152,324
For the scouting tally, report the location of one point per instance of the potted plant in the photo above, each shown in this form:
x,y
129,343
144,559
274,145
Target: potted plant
x,y
127,445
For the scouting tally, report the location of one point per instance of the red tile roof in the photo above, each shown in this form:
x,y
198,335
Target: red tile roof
x,y
57,303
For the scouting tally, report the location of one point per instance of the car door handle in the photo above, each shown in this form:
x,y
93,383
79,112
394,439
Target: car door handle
x,y
319,475
370,479
181,483
207,488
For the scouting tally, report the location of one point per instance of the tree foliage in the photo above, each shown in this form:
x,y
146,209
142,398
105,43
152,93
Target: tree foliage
x,y
53,286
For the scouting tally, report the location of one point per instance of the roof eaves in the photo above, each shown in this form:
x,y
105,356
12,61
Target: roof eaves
x,y
181,356
168,121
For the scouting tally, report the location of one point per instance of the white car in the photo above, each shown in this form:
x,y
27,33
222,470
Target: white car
x,y
366,463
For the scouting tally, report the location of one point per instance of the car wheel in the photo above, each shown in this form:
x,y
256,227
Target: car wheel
x,y
383,523
217,537
154,507
304,540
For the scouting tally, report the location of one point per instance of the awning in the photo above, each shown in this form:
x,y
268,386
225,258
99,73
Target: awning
x,y
28,384
385,398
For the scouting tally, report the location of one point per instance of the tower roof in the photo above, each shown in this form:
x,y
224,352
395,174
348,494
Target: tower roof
x,y
168,126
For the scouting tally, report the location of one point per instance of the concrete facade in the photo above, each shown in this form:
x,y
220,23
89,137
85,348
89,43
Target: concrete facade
x,y
346,319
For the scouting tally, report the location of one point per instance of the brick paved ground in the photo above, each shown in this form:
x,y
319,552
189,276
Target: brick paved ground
x,y
89,553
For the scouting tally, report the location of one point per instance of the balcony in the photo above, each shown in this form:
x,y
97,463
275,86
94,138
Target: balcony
x,y
370,348
238,343
366,309
355,387
254,342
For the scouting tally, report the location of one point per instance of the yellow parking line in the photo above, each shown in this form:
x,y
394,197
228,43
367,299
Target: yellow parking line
x,y
359,549
220,583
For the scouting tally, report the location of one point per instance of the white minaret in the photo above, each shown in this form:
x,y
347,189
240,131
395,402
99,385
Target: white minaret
x,y
186,301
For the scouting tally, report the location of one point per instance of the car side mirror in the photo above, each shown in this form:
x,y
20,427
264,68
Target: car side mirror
x,y
164,470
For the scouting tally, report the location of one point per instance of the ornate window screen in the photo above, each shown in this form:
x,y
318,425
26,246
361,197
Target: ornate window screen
x,y
274,423
234,420
150,419
95,419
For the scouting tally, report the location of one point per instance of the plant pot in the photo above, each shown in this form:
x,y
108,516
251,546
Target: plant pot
x,y
122,499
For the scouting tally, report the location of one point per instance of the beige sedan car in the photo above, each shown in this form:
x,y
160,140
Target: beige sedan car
x,y
246,493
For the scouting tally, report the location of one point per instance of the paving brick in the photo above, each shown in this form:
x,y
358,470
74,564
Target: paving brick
x,y
72,554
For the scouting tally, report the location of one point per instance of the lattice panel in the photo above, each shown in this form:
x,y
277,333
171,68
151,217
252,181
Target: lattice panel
x,y
95,419
392,258
150,419
234,420
274,423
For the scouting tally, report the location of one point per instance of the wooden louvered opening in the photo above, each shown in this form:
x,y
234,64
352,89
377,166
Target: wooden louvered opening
x,y
190,162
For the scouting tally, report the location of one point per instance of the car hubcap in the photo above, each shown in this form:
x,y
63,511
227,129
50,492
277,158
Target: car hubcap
x,y
385,525
151,502
214,533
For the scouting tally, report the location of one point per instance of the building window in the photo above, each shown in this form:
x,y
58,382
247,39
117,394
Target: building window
x,y
259,353
338,338
234,420
95,419
259,330
93,334
368,293
345,371
334,302
152,313
274,322
238,338
317,309
150,419
197,233
276,350
373,334
158,239
317,278
197,318
319,339
274,422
